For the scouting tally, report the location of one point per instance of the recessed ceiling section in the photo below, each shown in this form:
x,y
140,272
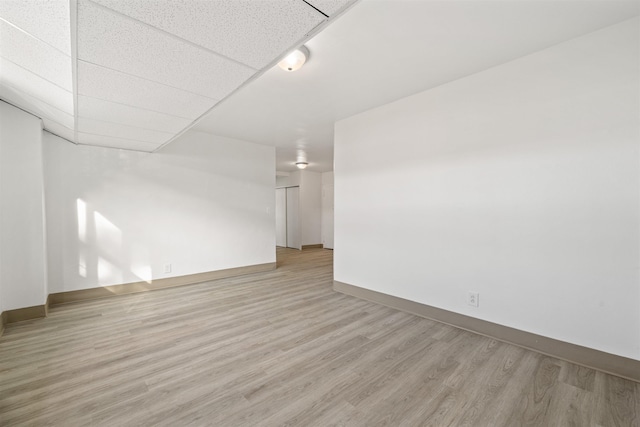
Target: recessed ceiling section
x,y
248,31
134,74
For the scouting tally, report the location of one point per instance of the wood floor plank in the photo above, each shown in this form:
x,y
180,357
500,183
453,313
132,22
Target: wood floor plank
x,y
537,396
618,401
282,348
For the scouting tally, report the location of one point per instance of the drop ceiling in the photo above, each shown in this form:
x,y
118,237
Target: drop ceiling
x,y
383,50
133,74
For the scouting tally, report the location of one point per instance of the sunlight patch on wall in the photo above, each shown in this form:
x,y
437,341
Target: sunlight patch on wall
x,y
108,274
81,208
140,263
82,265
108,236
143,272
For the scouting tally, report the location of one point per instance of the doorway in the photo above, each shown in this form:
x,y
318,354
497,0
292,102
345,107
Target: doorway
x,y
288,217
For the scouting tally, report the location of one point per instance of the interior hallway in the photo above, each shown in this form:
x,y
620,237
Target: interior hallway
x,y
283,348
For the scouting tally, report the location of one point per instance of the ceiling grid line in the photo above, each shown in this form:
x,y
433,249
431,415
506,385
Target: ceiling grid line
x,y
59,136
73,21
136,107
34,74
122,124
109,147
24,109
39,99
43,117
22,30
118,137
148,79
315,8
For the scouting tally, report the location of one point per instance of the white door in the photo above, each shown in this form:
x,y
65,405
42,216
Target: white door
x,y
281,217
293,218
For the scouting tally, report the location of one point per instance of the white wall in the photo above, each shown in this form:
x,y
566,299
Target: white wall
x,y
282,181
201,204
293,179
520,183
327,210
22,234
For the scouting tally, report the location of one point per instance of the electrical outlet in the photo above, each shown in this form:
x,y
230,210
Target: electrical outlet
x,y
167,268
473,299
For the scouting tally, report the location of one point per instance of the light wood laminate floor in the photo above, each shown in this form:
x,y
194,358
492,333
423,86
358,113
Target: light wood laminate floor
x,y
281,348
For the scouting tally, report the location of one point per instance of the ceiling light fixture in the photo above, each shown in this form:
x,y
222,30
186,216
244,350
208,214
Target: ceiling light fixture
x,y
302,165
295,60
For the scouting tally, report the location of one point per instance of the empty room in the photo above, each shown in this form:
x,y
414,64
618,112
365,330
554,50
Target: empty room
x,y
319,213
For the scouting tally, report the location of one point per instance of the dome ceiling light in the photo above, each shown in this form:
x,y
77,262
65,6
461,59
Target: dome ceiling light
x,y
295,60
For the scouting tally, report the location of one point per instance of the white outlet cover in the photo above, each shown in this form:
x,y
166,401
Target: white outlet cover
x,y
473,299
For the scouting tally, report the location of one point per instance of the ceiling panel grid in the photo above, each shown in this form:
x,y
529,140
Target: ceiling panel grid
x,y
35,61
35,55
132,116
36,105
250,32
110,85
140,72
32,84
46,20
111,40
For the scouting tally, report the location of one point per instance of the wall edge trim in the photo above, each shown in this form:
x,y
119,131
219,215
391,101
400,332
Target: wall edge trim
x,y
591,358
22,314
41,311
314,246
169,282
3,322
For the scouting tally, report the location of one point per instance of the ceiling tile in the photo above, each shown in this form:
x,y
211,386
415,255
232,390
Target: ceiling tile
x,y
35,56
106,141
47,20
34,85
58,129
35,106
249,31
132,116
111,40
330,7
110,85
99,127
